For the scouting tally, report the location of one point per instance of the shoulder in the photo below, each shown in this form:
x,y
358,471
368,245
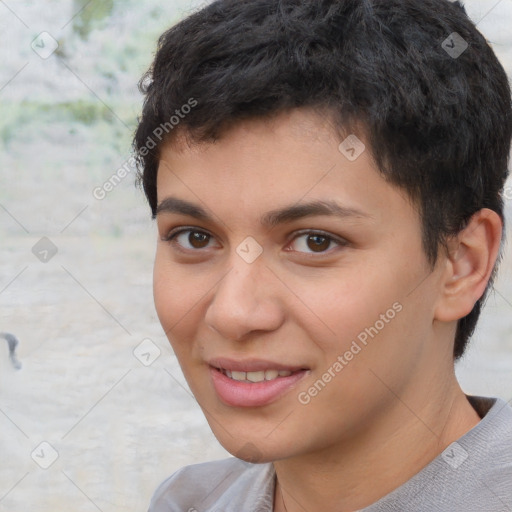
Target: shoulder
x,y
478,467
473,473
216,485
489,445
494,432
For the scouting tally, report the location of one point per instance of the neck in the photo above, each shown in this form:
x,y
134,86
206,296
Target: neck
x,y
364,468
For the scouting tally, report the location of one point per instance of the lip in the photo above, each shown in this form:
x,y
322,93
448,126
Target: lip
x,y
252,394
251,365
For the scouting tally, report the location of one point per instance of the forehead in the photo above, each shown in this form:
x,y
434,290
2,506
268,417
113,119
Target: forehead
x,y
259,165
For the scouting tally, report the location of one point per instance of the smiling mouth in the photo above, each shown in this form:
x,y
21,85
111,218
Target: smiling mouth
x,y
255,377
253,383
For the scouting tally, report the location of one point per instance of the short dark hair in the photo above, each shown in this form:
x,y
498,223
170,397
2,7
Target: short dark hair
x,y
438,124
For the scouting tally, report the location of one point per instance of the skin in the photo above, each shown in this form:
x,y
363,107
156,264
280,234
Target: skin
x,y
396,405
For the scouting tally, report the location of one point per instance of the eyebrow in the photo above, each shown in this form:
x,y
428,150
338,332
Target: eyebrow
x,y
271,218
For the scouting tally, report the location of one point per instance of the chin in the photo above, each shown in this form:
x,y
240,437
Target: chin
x,y
255,450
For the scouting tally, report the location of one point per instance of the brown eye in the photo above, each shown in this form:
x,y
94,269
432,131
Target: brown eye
x,y
189,239
198,240
311,242
318,243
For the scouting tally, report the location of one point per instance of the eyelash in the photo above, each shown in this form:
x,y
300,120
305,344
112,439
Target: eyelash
x,y
171,238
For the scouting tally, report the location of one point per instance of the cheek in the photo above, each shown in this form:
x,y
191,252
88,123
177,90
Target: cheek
x,y
164,294
174,298
369,317
179,296
342,306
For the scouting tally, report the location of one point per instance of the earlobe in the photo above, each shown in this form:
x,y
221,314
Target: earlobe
x,y
471,257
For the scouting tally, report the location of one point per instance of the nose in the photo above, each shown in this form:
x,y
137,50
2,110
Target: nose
x,y
246,300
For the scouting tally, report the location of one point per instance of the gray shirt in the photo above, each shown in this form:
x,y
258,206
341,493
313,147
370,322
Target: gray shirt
x,y
474,474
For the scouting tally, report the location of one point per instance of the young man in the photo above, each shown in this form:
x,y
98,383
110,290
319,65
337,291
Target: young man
x,y
327,182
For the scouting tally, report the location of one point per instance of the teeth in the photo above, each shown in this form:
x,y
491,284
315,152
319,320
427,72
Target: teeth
x,y
238,375
260,376
256,376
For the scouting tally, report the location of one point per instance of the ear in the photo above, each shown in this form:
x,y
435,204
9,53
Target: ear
x,y
472,254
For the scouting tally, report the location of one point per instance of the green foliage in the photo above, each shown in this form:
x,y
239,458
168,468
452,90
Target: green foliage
x,y
82,111
28,116
90,15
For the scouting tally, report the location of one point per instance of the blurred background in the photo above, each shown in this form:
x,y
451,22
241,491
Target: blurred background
x,y
99,414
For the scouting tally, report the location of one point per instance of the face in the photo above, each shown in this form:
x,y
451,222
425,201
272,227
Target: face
x,y
292,285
